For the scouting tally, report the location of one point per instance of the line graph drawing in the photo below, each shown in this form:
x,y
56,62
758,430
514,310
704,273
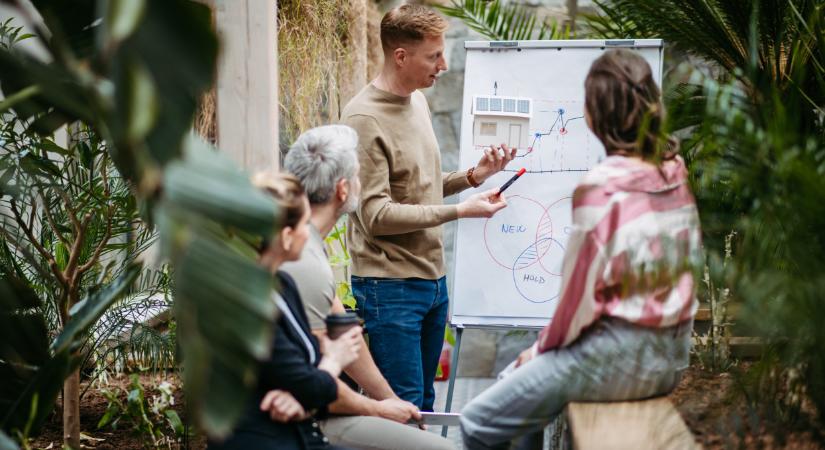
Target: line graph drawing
x,y
550,135
560,120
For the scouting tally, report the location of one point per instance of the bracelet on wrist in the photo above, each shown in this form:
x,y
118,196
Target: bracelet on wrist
x,y
471,179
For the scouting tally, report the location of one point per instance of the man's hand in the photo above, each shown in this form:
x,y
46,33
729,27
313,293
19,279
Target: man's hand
x,y
483,204
493,162
282,407
397,410
340,352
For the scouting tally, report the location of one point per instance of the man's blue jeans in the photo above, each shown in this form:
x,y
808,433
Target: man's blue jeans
x,y
405,319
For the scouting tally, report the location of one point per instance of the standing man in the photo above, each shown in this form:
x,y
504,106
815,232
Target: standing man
x,y
395,234
324,159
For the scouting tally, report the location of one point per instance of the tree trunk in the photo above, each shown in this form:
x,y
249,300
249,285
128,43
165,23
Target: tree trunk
x,y
71,410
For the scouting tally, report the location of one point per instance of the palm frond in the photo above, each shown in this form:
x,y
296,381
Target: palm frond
x,y
135,333
609,22
503,21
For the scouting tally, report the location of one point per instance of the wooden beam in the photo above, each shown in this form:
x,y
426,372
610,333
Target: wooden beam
x,y
704,312
247,92
647,424
572,12
354,75
740,347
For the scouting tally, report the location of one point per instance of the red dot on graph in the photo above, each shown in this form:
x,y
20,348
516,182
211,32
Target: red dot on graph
x,y
563,131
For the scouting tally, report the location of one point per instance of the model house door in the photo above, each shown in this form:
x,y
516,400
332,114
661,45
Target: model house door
x,y
514,140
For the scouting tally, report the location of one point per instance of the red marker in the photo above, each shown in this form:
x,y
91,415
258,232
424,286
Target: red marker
x,y
511,180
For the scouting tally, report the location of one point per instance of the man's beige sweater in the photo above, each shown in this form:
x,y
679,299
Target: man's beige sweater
x,y
396,230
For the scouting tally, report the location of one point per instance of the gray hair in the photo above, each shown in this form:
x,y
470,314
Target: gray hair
x,y
322,156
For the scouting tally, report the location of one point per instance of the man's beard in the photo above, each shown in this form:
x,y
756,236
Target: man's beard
x,y
349,206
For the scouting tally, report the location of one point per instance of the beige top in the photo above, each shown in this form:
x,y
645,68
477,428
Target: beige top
x,y
314,278
396,232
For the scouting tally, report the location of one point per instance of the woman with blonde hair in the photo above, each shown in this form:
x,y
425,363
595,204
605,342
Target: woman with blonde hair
x,y
298,381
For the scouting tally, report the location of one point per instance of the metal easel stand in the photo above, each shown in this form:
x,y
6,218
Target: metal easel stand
x,y
459,330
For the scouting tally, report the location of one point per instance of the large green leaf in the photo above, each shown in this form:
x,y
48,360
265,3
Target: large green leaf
x,y
209,184
122,20
225,322
138,88
177,46
222,296
56,89
70,24
23,331
24,351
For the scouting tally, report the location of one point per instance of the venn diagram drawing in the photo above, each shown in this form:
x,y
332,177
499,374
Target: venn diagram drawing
x,y
528,239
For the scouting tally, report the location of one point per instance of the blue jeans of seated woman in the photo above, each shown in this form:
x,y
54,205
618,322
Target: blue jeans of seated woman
x,y
405,319
612,361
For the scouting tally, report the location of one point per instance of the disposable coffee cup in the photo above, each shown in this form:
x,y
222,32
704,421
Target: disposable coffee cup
x,y
338,324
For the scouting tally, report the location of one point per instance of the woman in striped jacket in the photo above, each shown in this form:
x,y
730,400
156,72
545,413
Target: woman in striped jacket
x,y
622,328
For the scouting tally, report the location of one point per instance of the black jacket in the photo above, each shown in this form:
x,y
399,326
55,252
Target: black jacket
x,y
292,367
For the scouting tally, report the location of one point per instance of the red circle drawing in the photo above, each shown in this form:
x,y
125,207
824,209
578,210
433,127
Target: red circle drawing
x,y
555,206
513,201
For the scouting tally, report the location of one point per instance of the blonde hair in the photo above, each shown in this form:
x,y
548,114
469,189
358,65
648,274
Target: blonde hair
x,y
409,24
287,192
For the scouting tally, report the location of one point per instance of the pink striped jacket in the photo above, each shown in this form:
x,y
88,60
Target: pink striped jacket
x,y
632,250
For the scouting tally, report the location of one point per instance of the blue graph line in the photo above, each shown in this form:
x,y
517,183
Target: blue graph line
x,y
562,130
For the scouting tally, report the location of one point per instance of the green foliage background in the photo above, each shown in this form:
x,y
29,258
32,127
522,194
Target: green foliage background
x,y
745,92
132,71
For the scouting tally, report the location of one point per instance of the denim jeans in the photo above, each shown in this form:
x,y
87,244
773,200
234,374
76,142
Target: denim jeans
x,y
405,319
612,361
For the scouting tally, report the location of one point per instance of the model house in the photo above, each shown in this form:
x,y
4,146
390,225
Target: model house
x,y
498,119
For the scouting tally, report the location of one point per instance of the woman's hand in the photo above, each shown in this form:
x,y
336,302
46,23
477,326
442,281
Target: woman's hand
x,y
341,352
525,356
283,407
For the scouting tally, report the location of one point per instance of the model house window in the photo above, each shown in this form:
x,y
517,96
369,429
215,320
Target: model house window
x,y
509,105
488,128
481,104
495,104
524,106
